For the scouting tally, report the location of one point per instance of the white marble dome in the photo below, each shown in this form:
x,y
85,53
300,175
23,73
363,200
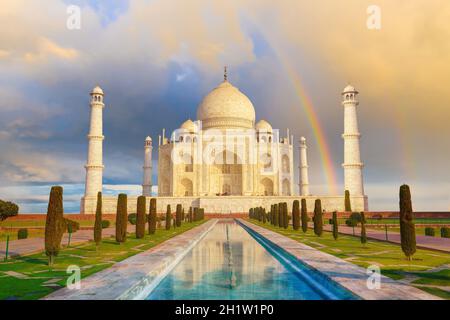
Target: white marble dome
x,y
264,126
226,107
188,125
97,90
349,89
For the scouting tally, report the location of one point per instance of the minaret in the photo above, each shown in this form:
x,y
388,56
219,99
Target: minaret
x,y
304,180
352,165
148,168
94,166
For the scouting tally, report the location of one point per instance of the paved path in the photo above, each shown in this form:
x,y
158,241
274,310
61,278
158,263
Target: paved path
x,y
424,242
34,245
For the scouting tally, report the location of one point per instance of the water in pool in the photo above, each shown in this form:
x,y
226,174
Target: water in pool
x,y
228,263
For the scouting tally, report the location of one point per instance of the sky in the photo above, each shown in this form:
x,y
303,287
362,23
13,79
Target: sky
x,y
156,59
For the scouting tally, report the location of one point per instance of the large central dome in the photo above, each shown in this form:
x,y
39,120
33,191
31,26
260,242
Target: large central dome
x,y
226,107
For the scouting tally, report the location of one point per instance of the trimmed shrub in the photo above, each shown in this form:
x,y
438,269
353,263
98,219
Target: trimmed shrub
x,y
276,215
407,227
140,217
106,224
363,229
8,209
132,218
351,223
98,224
286,216
334,221
54,224
317,219
152,217
304,216
348,206
22,233
71,226
179,215
445,232
168,217
429,232
121,218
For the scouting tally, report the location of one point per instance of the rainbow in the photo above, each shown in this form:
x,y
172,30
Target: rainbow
x,y
319,134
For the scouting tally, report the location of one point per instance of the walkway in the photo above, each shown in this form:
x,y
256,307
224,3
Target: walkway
x,y
423,242
35,245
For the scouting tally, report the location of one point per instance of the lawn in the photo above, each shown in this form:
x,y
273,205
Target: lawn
x,y
29,277
389,257
420,231
397,221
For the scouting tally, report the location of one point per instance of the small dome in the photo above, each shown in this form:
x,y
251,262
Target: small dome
x,y
97,90
226,107
349,89
148,139
263,125
302,139
188,125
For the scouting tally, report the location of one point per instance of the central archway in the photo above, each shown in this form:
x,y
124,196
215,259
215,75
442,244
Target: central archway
x,y
226,174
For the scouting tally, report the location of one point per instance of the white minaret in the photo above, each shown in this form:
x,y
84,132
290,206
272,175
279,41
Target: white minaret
x,y
304,180
94,166
352,165
148,168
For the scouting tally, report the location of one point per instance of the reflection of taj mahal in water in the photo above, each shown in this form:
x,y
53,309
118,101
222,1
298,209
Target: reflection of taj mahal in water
x,y
225,161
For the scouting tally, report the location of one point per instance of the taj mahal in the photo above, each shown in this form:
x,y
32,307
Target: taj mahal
x,y
225,161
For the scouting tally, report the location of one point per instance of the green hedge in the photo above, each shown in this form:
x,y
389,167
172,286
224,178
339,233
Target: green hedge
x,y
445,232
430,232
22,234
106,224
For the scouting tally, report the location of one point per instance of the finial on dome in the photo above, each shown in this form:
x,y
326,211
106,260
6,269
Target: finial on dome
x,y
225,73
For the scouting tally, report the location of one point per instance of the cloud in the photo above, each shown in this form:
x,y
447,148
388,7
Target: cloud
x,y
157,59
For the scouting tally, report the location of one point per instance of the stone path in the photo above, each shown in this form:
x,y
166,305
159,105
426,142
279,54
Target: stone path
x,y
348,275
423,242
35,245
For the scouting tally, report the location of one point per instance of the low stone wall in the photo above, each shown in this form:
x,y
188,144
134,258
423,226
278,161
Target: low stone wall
x,y
224,204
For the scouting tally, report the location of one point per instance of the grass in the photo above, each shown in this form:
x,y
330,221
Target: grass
x,y
420,231
25,223
32,233
35,272
389,257
397,221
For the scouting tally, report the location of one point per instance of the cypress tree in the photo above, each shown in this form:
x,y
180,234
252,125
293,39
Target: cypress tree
x,y
179,215
286,216
168,217
296,215
54,224
363,229
275,215
203,213
190,217
407,227
280,215
318,221
98,221
140,217
152,217
335,226
183,217
271,214
264,215
304,216
348,205
121,218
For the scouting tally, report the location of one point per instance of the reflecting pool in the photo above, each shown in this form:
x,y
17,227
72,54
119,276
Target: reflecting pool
x,y
229,263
